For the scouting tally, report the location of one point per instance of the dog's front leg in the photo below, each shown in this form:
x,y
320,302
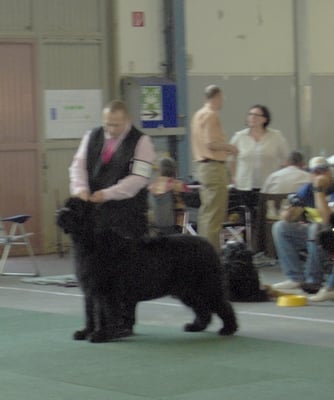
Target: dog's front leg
x,y
113,320
99,335
106,320
122,320
118,318
90,319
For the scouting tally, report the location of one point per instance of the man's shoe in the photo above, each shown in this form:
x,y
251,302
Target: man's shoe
x,y
288,285
323,295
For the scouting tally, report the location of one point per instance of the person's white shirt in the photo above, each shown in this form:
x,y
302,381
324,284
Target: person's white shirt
x,y
286,180
257,160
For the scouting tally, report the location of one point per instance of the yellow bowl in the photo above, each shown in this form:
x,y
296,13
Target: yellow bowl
x,y
291,300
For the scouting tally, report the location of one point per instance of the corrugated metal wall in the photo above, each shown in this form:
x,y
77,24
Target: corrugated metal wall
x,y
70,37
15,16
55,189
72,57
72,65
69,16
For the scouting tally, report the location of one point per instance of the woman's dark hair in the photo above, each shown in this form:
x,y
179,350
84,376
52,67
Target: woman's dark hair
x,y
265,112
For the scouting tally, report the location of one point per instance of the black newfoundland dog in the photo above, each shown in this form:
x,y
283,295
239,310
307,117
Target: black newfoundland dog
x,y
116,273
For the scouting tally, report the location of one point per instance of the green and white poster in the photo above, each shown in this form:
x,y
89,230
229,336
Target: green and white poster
x,y
70,113
151,103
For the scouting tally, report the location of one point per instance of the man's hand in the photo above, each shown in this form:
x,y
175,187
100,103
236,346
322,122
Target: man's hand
x,y
232,149
321,182
83,195
292,214
97,197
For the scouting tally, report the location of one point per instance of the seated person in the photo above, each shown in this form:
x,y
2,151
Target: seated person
x,y
165,183
330,160
288,179
326,239
296,231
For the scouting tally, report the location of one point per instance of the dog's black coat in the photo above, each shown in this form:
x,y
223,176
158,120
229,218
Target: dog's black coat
x,y
241,275
116,273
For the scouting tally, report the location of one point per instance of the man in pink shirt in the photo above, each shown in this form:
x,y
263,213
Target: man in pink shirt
x,y
111,168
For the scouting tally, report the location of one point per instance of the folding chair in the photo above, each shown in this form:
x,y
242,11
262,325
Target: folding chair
x,y
232,230
238,227
17,236
188,224
267,213
192,202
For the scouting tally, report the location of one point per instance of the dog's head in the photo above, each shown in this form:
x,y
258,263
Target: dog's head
x,y
74,217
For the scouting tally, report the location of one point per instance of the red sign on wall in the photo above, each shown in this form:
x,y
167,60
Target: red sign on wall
x,y
138,18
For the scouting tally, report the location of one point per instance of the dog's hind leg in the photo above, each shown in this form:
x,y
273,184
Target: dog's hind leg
x,y
227,315
128,311
202,319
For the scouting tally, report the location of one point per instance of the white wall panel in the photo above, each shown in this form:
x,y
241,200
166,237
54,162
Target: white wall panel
x,y
140,49
56,190
239,36
64,16
72,66
15,15
321,33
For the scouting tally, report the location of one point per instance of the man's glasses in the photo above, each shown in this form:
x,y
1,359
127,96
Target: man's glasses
x,y
255,115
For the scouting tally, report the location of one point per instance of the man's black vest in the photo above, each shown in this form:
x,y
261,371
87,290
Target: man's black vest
x,y
127,217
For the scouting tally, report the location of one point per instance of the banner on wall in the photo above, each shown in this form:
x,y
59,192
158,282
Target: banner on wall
x,y
151,103
70,113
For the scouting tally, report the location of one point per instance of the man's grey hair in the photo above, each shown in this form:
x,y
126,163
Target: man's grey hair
x,y
211,91
296,158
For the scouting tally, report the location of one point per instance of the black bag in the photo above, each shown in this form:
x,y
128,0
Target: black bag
x,y
192,199
241,275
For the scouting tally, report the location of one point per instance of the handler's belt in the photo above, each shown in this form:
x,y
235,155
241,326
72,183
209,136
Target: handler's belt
x,y
207,160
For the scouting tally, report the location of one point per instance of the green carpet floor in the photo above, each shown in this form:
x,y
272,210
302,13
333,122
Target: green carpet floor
x,y
39,361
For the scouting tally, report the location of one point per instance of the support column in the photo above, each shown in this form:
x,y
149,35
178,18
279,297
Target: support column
x,y
176,70
303,74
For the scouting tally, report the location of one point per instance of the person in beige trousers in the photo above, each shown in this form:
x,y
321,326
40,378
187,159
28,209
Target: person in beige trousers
x,y
210,150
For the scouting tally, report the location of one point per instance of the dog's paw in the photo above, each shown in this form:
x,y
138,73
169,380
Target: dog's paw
x,y
228,330
192,327
81,335
98,337
120,333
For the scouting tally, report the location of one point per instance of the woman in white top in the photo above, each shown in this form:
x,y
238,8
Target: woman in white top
x,y
262,150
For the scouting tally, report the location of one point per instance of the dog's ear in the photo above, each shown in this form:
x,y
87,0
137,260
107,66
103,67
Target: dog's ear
x,y
74,203
78,206
61,218
75,217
